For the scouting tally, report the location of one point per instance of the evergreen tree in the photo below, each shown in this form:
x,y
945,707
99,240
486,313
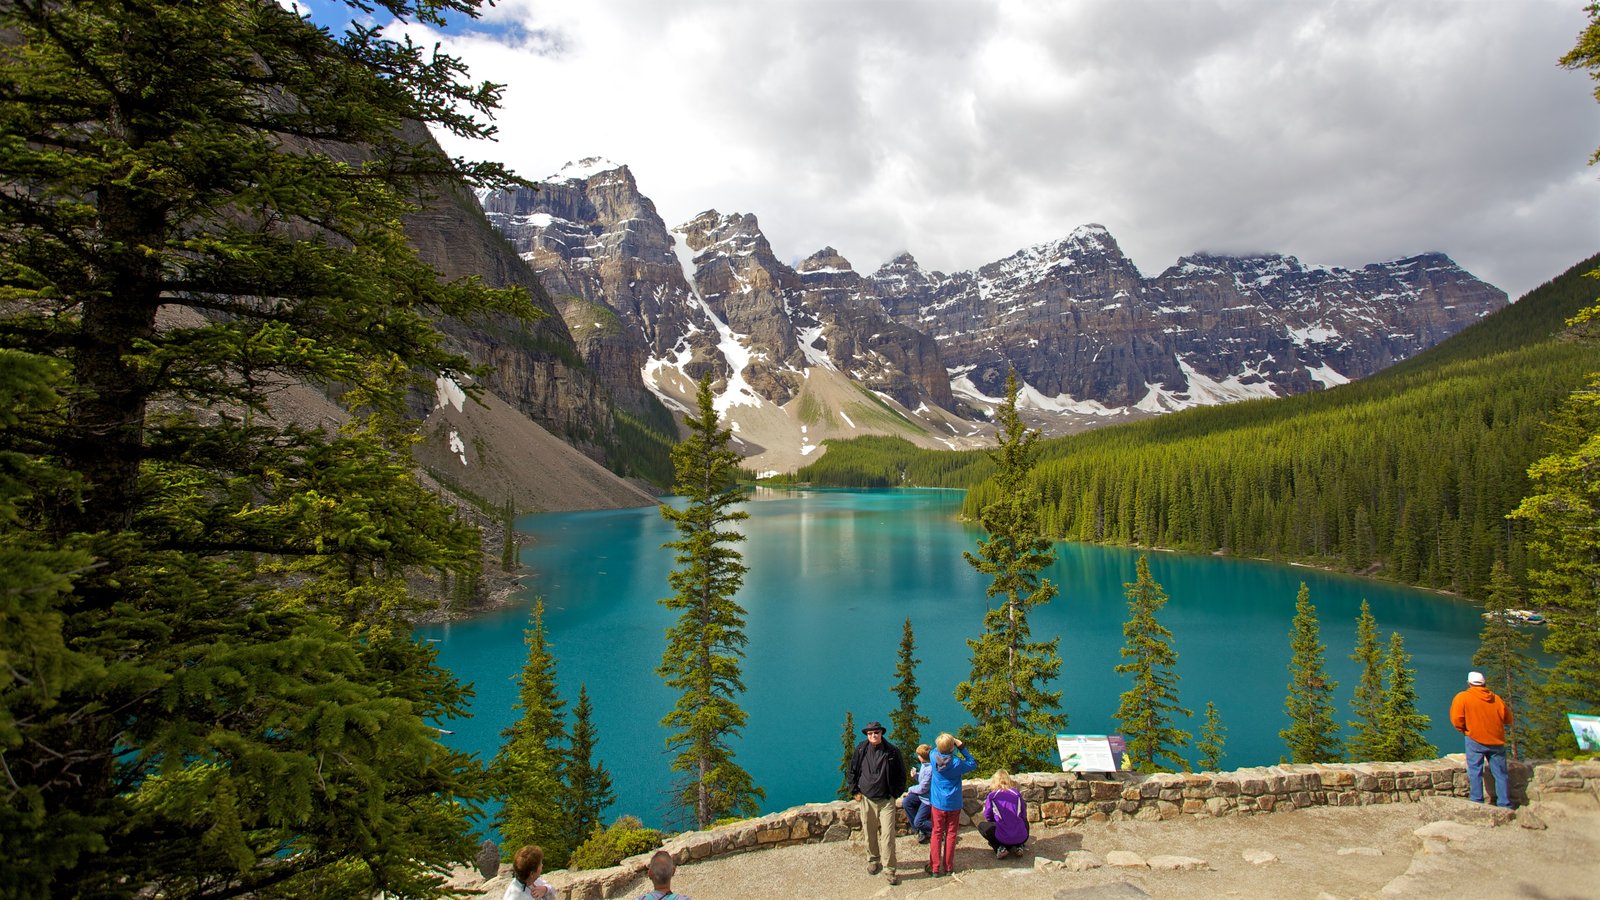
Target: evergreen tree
x,y
906,721
704,647
531,767
1565,546
587,781
1401,728
1148,707
1503,653
1015,718
219,695
1368,701
1213,735
847,742
1312,736
508,525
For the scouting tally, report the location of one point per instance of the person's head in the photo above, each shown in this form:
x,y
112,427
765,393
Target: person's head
x,y
922,752
528,863
661,868
945,742
874,732
1475,678
1001,781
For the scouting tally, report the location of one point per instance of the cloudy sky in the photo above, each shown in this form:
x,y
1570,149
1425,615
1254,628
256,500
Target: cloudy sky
x,y
1340,131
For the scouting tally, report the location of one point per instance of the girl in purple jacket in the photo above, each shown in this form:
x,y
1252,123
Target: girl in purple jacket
x,y
1005,816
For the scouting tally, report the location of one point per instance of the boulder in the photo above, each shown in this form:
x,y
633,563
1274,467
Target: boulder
x,y
1457,809
488,859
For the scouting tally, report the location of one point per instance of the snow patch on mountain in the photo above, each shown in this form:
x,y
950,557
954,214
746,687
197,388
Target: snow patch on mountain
x,y
1326,375
447,391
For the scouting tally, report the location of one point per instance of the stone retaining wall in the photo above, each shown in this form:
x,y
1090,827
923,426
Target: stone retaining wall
x,y
1565,781
1062,799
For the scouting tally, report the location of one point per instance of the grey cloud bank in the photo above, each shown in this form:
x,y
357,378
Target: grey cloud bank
x,y
1340,132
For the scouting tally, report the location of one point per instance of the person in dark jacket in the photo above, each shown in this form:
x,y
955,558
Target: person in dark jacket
x,y
878,777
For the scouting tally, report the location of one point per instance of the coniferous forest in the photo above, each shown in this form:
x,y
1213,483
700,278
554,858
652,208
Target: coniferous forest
x,y
1407,475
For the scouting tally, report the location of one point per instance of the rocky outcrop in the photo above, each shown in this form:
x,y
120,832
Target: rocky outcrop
x,y
534,366
605,256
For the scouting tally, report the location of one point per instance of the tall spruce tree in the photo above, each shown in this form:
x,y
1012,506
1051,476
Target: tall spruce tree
x,y
1503,653
1367,704
1148,707
1401,729
906,721
1213,736
1565,548
587,782
847,744
704,647
218,694
531,767
1312,736
1015,719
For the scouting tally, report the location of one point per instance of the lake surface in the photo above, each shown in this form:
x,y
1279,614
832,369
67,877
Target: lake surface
x,y
834,574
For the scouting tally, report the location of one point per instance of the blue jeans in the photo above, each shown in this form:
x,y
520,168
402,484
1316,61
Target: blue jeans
x,y
1496,755
919,813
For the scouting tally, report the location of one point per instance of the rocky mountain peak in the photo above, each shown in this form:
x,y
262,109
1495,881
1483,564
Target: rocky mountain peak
x,y
827,260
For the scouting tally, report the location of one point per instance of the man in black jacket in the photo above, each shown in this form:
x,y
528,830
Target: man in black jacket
x,y
878,778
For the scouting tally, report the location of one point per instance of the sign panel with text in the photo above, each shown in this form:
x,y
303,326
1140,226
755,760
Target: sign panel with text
x,y
1086,753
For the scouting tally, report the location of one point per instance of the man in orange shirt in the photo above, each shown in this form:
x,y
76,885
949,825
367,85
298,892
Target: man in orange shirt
x,y
1482,716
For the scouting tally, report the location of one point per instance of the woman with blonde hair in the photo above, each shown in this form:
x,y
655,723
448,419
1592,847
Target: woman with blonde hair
x,y
950,761
1005,816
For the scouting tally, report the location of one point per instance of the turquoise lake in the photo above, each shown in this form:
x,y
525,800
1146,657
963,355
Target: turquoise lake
x,y
834,574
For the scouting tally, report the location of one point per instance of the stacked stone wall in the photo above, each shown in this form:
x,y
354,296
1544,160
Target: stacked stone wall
x,y
1066,799
1565,782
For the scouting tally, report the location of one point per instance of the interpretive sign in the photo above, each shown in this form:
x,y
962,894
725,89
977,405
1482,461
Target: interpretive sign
x,y
1585,728
1086,753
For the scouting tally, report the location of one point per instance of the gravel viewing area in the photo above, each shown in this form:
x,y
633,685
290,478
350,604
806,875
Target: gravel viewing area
x,y
1406,832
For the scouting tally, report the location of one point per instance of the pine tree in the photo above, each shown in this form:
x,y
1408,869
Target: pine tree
x,y
1148,707
230,700
508,526
1401,729
1503,653
701,661
1015,718
1311,736
587,781
1565,547
906,721
1213,735
1367,704
532,765
847,742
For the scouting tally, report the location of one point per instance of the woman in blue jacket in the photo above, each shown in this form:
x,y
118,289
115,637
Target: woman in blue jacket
x,y
950,761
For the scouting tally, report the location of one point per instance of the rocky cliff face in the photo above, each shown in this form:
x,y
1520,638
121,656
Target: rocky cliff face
x,y
1089,335
534,367
605,257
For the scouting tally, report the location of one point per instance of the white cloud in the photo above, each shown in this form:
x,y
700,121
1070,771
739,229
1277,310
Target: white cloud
x,y
1340,132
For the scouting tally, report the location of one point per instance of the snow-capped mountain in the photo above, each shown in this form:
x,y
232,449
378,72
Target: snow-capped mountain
x,y
925,354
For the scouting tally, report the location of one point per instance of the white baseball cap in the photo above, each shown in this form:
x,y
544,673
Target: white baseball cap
x,y
1474,678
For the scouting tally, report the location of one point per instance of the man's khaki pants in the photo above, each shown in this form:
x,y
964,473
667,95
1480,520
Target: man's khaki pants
x,y
879,816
